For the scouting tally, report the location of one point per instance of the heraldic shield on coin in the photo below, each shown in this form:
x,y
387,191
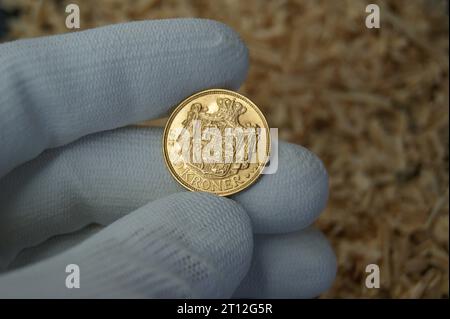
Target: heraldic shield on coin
x,y
216,141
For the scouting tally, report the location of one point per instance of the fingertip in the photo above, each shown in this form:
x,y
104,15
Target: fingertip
x,y
294,265
227,37
293,197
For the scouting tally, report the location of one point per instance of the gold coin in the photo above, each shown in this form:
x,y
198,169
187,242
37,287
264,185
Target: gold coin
x,y
216,141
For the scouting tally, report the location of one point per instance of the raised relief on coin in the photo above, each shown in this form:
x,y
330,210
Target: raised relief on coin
x,y
216,141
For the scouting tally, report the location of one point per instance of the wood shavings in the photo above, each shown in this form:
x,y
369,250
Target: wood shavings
x,y
373,104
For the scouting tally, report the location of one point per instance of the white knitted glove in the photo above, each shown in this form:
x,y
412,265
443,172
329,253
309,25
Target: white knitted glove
x,y
107,203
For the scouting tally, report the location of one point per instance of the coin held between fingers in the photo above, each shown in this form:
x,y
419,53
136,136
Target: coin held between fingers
x,y
216,141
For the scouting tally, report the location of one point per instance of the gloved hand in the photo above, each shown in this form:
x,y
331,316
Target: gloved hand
x,y
106,202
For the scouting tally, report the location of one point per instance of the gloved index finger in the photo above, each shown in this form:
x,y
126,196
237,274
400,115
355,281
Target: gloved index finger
x,y
54,90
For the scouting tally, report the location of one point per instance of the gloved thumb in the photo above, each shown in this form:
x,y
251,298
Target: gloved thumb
x,y
187,245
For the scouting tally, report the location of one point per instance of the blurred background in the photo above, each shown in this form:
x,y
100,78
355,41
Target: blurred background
x,y
372,103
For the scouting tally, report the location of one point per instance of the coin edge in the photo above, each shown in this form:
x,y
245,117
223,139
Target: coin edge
x,y
181,106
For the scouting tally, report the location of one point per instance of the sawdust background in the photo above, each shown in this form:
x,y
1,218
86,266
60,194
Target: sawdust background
x,y
372,103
